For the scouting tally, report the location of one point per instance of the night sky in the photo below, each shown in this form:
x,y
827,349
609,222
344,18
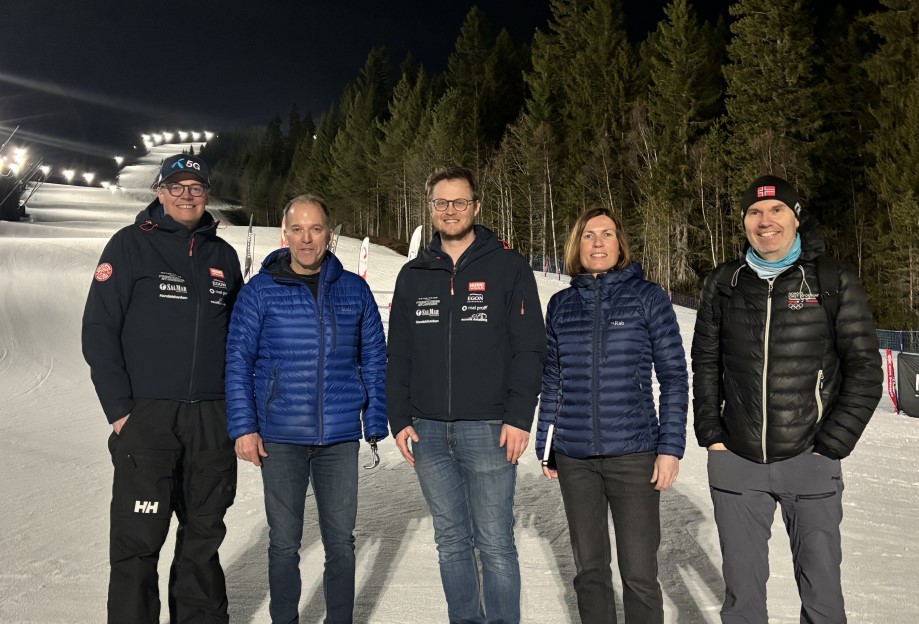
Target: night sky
x,y
90,76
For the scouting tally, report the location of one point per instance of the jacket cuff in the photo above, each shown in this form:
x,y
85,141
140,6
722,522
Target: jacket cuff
x,y
818,448
713,440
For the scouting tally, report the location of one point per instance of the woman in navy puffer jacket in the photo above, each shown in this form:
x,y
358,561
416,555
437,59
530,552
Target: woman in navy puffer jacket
x,y
608,447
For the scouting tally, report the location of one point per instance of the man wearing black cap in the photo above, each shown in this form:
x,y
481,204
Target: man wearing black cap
x,y
154,336
786,375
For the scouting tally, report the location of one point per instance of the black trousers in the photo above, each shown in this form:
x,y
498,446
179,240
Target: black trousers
x,y
170,457
622,484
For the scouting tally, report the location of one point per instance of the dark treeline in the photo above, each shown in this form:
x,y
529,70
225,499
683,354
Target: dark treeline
x,y
667,132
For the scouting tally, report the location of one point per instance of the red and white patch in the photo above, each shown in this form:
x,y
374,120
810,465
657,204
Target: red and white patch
x,y
216,273
765,191
476,286
103,272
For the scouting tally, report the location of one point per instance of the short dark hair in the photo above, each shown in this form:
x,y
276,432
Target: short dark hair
x,y
573,264
453,172
309,198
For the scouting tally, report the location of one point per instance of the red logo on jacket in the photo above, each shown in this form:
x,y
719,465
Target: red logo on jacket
x,y
476,286
103,272
216,273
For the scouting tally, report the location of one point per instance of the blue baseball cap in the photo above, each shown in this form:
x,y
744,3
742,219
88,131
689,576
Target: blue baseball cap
x,y
183,163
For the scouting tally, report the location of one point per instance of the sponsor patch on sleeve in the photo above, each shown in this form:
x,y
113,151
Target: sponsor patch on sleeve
x,y
103,272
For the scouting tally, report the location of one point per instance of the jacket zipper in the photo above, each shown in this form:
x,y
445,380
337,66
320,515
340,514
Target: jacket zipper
x,y
194,351
817,389
595,373
320,369
450,344
766,361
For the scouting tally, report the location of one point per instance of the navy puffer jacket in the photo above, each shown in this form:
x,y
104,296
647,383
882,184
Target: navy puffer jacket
x,y
604,334
302,371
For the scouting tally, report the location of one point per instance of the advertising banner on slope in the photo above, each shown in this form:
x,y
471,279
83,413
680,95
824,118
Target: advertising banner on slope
x,y
362,263
908,383
334,244
250,249
414,245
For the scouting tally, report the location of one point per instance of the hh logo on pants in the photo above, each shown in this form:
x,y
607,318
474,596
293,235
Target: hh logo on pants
x,y
145,507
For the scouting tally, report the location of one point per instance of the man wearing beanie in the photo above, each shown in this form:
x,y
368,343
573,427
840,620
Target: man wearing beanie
x,y
154,336
786,375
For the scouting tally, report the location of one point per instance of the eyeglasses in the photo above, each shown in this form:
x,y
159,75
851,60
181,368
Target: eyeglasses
x,y
177,190
458,204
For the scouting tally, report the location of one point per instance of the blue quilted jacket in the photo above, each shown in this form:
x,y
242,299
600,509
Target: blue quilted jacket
x,y
302,371
604,335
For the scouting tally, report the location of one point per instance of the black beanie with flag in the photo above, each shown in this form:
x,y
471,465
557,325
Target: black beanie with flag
x,y
770,187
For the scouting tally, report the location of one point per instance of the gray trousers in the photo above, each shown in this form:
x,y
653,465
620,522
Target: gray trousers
x,y
808,488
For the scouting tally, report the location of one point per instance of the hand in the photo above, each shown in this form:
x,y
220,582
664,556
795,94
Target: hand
x,y
717,446
118,424
250,448
402,443
550,473
515,440
666,468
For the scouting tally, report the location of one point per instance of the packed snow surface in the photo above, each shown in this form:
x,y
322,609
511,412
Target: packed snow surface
x,y
57,473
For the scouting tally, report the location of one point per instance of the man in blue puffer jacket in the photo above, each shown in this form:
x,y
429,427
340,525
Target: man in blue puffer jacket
x,y
306,357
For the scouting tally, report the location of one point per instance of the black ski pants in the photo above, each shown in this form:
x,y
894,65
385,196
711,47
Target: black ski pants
x,y
170,457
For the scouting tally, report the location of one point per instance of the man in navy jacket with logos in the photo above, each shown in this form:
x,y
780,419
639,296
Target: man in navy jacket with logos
x,y
154,336
466,351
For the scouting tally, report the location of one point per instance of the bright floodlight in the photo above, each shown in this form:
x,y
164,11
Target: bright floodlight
x,y
168,136
14,168
88,176
68,175
195,136
45,169
119,160
157,138
105,184
145,137
183,135
208,135
148,144
19,154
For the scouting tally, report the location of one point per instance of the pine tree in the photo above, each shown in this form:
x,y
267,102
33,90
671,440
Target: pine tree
x,y
894,69
771,103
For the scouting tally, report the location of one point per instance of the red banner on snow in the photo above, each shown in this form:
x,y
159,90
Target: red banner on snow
x,y
892,381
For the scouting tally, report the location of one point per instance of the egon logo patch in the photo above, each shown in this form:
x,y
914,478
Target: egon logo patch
x,y
103,272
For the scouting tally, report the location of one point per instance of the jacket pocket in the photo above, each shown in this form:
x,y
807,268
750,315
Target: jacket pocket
x,y
144,484
724,491
272,390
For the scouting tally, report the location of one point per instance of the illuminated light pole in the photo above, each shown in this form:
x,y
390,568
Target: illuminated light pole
x,y
182,135
68,175
157,138
119,160
105,184
167,137
208,135
195,136
45,170
14,168
88,176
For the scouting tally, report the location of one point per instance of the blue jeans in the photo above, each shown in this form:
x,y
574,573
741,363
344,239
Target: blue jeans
x,y
469,487
286,474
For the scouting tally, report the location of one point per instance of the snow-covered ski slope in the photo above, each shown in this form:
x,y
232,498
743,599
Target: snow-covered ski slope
x,y
56,475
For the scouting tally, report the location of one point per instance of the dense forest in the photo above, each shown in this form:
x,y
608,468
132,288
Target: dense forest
x,y
667,131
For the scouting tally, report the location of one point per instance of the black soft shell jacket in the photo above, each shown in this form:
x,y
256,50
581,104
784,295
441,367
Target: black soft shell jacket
x,y
770,376
156,318
465,342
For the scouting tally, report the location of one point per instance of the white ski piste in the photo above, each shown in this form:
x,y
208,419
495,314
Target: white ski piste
x,y
283,242
362,263
414,245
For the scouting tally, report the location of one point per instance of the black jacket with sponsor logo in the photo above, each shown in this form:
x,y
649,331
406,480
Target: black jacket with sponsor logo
x,y
465,342
770,376
156,318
